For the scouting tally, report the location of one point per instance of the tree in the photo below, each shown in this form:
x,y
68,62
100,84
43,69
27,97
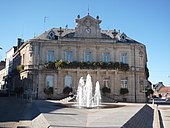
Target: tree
x,y
149,92
67,90
105,90
124,91
48,91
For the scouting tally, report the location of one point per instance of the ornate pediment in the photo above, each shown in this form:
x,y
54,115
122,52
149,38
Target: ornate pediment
x,y
88,27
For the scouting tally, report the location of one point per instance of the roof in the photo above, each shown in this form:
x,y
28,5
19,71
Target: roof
x,y
164,90
70,33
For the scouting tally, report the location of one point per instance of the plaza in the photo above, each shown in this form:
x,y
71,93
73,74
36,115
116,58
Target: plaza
x,y
53,114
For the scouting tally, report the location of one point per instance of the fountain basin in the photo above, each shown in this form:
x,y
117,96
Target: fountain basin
x,y
101,106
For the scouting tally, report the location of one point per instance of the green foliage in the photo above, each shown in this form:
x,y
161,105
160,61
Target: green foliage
x,y
86,65
105,90
48,91
124,91
49,65
67,90
149,92
59,64
20,68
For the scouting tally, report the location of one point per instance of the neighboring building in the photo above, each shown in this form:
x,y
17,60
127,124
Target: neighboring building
x,y
2,65
2,79
165,92
109,56
2,75
157,86
161,91
9,67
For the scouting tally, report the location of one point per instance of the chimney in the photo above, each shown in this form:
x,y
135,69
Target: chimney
x,y
20,42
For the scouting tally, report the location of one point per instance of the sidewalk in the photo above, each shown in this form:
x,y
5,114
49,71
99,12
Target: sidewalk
x,y
165,115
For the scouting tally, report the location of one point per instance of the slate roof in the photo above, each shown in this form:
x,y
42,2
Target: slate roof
x,y
69,33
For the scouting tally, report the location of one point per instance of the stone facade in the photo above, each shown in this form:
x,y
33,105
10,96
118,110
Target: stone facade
x,y
86,43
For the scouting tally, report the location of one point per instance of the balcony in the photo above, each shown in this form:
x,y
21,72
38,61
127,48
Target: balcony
x,y
59,64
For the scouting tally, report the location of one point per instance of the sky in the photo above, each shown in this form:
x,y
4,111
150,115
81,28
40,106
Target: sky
x,y
146,21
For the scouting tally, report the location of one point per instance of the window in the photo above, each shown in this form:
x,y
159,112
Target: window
x,y
50,56
87,57
23,59
106,83
141,87
123,37
49,81
124,83
51,35
69,56
124,58
106,57
68,81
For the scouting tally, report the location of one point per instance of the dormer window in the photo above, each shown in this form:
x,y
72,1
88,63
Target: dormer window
x,y
51,35
123,37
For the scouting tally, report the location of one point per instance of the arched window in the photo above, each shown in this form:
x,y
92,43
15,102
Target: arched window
x,y
49,81
68,81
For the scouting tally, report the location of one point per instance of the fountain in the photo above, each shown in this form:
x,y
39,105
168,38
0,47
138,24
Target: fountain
x,y
97,95
85,96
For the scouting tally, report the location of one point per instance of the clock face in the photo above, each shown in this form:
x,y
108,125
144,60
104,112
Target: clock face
x,y
88,30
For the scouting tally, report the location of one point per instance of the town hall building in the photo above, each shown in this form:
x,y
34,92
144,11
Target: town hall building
x,y
59,57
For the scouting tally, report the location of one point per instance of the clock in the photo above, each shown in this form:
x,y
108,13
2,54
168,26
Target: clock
x,y
88,30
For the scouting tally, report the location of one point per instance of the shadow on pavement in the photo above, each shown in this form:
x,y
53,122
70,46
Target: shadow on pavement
x,y
143,118
15,110
161,121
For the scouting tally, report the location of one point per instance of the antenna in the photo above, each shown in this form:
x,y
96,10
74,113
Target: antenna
x,y
45,19
22,32
34,35
88,10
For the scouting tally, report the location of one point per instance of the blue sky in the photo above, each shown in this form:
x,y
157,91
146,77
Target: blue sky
x,y
147,21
